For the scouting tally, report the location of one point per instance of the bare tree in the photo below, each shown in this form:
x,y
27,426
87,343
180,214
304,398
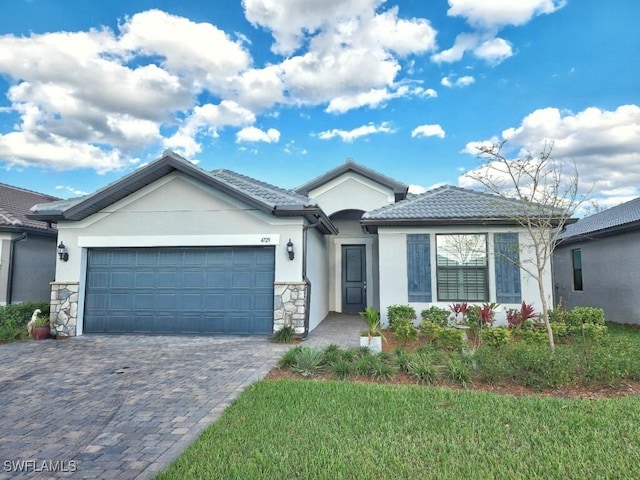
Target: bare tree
x,y
547,197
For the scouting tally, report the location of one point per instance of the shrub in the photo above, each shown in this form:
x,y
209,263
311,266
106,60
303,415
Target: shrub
x,y
560,330
430,330
589,331
14,319
284,335
495,337
382,370
405,331
423,368
436,315
341,368
451,338
401,358
288,359
535,336
539,367
332,353
400,312
474,318
581,315
308,361
457,371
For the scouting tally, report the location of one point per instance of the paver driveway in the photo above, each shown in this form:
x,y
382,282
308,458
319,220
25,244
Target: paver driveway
x,y
117,406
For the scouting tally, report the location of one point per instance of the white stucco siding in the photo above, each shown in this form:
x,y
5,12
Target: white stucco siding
x,y
351,192
393,269
318,274
179,211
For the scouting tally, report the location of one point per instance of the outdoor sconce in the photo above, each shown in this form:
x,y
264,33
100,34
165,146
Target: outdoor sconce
x,y
290,249
62,252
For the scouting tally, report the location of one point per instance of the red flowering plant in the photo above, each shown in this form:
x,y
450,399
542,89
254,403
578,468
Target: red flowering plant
x,y
516,318
459,308
488,313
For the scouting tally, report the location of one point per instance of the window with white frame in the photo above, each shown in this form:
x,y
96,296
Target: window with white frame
x,y
461,267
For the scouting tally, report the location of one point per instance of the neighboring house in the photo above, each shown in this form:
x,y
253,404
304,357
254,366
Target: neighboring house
x,y
172,248
597,260
27,248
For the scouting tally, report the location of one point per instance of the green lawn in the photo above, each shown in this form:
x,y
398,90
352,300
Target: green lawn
x,y
324,429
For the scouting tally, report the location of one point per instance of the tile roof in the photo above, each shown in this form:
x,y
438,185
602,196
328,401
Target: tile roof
x,y
15,204
269,198
614,218
261,191
447,203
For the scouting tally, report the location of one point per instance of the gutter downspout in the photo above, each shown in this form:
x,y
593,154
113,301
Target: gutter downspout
x,y
11,261
305,279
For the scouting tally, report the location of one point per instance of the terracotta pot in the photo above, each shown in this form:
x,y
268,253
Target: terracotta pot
x,y
41,332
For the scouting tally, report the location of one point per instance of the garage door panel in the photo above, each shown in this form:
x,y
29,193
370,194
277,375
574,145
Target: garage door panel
x,y
167,280
217,290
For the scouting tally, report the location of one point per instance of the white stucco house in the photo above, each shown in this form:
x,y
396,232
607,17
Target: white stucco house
x,y
174,249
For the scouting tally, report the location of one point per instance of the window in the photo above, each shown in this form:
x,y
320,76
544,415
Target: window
x,y
462,267
576,258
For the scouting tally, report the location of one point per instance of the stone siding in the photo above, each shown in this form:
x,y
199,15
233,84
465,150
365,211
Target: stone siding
x,y
64,307
289,306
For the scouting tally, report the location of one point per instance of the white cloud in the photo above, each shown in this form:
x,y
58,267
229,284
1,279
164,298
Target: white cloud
x,y
500,13
494,51
605,145
459,82
417,189
428,131
375,98
487,18
253,134
351,135
72,190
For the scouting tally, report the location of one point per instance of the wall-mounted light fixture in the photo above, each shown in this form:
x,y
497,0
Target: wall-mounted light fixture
x,y
62,252
290,249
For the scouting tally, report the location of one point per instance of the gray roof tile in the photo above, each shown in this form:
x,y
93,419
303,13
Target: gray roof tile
x,y
261,191
447,202
15,203
613,218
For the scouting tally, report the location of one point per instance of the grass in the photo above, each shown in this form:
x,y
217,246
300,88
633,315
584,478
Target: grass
x,y
332,430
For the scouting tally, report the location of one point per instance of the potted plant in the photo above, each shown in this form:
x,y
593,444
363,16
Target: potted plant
x,y
371,337
39,327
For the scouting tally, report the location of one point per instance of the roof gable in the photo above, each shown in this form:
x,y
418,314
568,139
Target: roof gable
x,y
15,205
399,189
268,198
621,218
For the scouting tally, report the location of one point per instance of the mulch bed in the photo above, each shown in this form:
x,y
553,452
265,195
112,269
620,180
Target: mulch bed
x,y
627,388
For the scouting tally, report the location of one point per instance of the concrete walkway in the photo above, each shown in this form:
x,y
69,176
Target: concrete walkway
x,y
117,406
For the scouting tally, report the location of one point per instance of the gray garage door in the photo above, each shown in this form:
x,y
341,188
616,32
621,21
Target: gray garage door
x,y
221,290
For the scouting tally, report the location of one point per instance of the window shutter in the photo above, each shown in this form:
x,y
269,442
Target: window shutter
x,y
507,263
419,268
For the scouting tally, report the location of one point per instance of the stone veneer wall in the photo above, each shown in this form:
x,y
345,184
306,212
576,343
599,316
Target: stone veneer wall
x,y
288,305
64,307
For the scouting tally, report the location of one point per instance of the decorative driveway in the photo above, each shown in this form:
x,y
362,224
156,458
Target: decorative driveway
x,y
117,406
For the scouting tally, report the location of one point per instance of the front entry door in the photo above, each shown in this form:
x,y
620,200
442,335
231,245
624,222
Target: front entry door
x,y
354,278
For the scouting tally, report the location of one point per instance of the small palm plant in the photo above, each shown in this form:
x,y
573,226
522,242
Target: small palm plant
x,y
372,319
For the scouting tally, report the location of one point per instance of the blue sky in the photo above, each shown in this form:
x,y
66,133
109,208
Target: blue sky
x,y
283,91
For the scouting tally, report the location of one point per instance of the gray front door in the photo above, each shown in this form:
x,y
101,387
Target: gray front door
x,y
217,290
354,278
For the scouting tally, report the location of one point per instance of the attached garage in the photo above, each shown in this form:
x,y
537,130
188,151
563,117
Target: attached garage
x,y
217,290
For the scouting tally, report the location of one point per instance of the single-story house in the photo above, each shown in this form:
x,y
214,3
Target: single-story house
x,y
27,248
597,260
171,248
